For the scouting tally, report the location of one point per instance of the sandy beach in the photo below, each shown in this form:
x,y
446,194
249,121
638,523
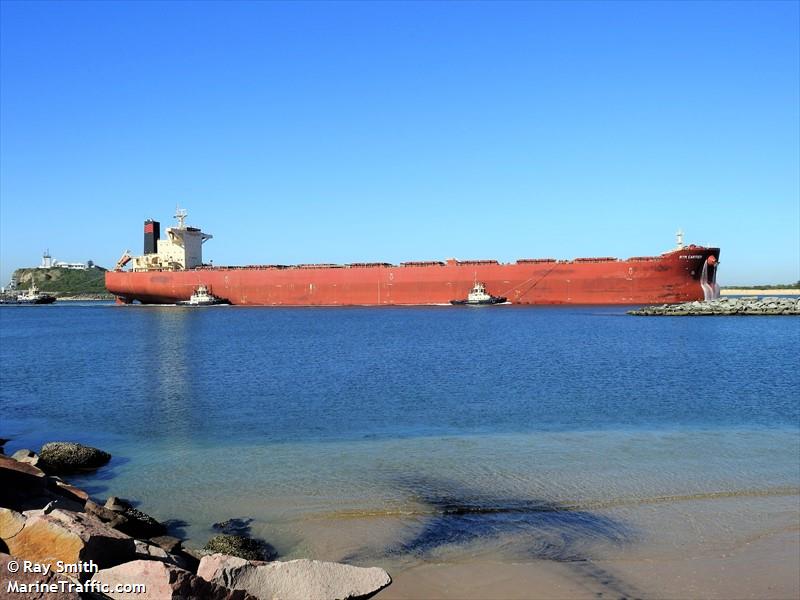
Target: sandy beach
x,y
763,568
696,549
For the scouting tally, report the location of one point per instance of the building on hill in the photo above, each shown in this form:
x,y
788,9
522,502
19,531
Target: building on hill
x,y
49,263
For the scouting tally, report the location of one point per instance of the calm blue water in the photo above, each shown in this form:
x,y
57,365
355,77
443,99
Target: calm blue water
x,y
252,375
284,414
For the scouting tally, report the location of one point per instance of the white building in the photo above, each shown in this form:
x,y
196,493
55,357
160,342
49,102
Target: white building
x,y
49,263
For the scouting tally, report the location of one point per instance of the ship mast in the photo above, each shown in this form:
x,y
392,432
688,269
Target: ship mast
x,y
679,239
180,215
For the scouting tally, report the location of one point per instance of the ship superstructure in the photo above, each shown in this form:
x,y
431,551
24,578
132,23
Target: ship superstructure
x,y
181,250
170,270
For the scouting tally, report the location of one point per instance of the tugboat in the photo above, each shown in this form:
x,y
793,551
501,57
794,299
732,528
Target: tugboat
x,y
202,297
479,297
33,296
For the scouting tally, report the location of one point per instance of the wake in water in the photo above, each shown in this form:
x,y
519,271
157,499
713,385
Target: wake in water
x,y
710,290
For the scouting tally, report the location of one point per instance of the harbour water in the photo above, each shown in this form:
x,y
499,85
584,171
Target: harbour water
x,y
412,436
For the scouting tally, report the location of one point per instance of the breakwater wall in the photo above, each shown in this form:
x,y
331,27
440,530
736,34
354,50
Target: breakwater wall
x,y
770,305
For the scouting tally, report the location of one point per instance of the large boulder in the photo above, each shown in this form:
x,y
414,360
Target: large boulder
x,y
29,585
239,545
20,484
69,457
163,582
219,566
14,472
71,537
11,523
295,579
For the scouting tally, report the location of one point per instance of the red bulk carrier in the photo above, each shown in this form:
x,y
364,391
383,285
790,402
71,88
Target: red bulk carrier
x,y
172,268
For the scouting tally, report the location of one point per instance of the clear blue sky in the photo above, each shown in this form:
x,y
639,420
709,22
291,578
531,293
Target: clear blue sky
x,y
343,132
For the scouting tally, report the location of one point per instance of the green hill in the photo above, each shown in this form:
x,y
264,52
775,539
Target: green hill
x,y
64,282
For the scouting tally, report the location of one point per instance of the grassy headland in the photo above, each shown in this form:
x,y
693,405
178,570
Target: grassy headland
x,y
65,283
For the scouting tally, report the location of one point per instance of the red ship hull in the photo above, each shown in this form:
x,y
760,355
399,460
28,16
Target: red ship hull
x,y
680,276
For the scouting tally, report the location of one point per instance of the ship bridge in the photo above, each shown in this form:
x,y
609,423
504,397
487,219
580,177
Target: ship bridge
x,y
181,250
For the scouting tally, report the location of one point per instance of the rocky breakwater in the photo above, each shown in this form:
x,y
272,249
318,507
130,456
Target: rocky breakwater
x,y
56,542
767,306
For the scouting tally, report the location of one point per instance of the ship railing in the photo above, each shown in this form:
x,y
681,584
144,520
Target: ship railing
x,y
478,262
320,266
240,267
368,265
422,263
523,261
268,267
597,259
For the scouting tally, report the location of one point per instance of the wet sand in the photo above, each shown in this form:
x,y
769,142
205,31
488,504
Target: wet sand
x,y
763,569
740,548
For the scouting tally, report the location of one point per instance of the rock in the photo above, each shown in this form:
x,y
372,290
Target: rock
x,y
68,457
68,491
71,537
22,580
21,484
725,306
224,568
241,546
26,456
167,542
128,520
295,579
101,512
11,523
237,526
147,551
140,525
13,472
117,504
196,553
164,582
185,560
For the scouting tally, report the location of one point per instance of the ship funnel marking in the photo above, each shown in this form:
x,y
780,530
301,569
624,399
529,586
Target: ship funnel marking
x,y
152,233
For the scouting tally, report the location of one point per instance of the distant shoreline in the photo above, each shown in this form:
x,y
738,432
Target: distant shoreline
x,y
759,292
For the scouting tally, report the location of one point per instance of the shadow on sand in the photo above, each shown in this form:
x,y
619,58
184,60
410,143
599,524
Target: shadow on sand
x,y
540,530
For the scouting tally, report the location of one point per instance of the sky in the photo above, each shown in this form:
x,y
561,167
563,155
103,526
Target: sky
x,y
360,132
